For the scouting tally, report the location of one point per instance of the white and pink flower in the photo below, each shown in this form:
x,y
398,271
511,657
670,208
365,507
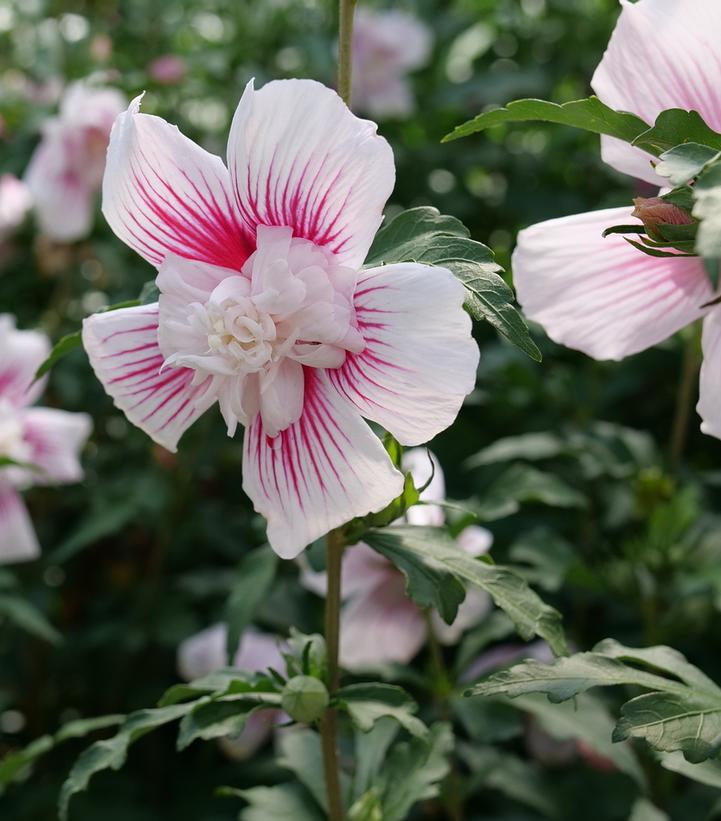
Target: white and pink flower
x,y
205,652
603,296
379,623
265,309
66,170
15,202
387,46
38,446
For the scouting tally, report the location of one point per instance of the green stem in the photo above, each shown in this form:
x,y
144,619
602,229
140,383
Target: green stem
x,y
345,48
684,397
334,557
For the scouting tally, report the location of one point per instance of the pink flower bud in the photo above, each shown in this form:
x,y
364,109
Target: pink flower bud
x,y
168,69
654,211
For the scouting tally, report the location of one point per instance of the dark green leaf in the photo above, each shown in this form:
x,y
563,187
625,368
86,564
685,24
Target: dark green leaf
x,y
673,127
367,703
684,162
589,114
282,803
26,616
62,348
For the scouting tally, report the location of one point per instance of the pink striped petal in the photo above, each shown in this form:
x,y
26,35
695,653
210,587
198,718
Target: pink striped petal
x,y
663,54
18,542
420,359
363,569
381,626
603,296
709,405
164,194
319,473
56,438
123,349
22,354
298,157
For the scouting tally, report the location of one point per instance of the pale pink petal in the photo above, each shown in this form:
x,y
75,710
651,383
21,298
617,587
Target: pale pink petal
x,y
259,651
299,158
123,350
203,653
319,473
258,729
662,54
709,405
420,359
55,439
22,354
15,202
164,194
471,612
476,541
603,296
381,626
85,106
18,542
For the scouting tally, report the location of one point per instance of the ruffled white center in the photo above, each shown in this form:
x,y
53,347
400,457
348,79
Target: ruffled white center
x,y
291,306
12,437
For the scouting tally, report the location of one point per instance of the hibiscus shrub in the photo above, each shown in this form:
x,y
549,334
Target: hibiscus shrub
x,y
525,608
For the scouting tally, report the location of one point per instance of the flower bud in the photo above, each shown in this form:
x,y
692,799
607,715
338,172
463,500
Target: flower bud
x,y
654,211
304,698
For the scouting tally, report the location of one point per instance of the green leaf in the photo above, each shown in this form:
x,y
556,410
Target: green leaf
x,y
219,681
684,162
521,484
367,703
706,772
565,678
253,580
589,114
367,808
413,772
371,750
673,127
300,752
23,614
424,235
222,717
707,208
543,558
62,348
282,803
670,722
530,446
111,753
428,583
510,592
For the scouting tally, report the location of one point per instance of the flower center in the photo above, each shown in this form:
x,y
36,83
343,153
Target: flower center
x,y
290,307
12,439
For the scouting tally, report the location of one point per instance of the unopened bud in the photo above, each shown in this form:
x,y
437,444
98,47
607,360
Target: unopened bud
x,y
304,698
655,211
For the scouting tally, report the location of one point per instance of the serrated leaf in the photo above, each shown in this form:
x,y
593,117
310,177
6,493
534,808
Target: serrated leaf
x,y
26,616
219,681
399,239
682,163
706,772
530,446
671,721
281,803
371,750
589,114
222,717
673,127
368,703
707,208
253,580
111,753
367,808
510,592
428,582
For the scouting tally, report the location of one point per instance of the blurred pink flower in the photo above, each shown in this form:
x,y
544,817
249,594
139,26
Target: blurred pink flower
x,y
603,296
387,45
15,202
46,442
379,622
205,653
265,308
66,170
167,69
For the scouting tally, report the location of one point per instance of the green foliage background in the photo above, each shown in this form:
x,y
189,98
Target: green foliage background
x,y
582,495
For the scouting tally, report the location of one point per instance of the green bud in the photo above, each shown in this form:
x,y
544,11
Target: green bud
x,y
304,698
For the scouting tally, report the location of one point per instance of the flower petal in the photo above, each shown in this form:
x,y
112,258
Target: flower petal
x,y
603,296
319,473
472,610
662,54
381,626
18,542
363,569
163,194
298,157
709,404
420,359
22,354
123,350
56,438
